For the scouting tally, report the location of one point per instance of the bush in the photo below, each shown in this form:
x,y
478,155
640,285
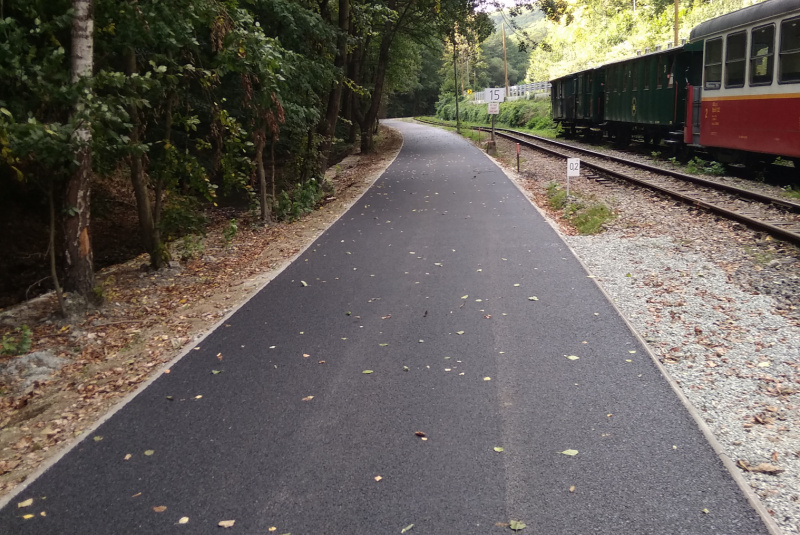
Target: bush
x,y
532,114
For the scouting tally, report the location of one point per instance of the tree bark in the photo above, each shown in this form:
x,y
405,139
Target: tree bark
x,y
327,127
261,140
371,114
139,183
78,252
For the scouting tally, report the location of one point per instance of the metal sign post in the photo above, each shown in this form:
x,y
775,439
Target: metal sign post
x,y
573,169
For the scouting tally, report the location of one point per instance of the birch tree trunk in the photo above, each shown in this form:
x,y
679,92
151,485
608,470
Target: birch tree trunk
x,y
79,265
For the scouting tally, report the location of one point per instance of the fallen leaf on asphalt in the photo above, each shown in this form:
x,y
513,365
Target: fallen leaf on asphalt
x,y
533,298
386,317
421,435
572,488
378,478
183,520
464,296
136,495
160,508
226,523
405,368
128,457
516,525
383,345
304,283
149,452
572,357
487,378
498,449
98,438
306,355
26,503
27,517
459,332
763,364
308,398
198,397
571,453
407,528
367,372
216,372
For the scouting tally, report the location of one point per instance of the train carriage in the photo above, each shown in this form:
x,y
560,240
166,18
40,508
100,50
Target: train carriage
x,y
750,93
647,94
577,101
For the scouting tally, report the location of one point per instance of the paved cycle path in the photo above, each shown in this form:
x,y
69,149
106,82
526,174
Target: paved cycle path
x,y
464,304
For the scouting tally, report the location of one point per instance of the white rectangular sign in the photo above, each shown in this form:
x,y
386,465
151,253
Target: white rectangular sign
x,y
573,167
494,94
494,108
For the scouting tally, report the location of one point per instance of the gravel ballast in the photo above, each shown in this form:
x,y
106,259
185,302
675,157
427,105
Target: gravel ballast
x,y
718,304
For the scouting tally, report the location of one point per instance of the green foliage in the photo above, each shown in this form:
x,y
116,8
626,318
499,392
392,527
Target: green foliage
x,y
595,33
230,231
587,216
699,166
301,200
792,192
532,114
18,342
182,215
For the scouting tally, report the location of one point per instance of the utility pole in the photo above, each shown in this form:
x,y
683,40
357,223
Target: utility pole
x,y
455,82
677,23
505,57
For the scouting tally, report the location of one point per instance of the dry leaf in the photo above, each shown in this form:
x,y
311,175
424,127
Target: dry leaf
x,y
420,434
160,508
226,523
183,520
149,452
572,488
26,503
308,398
128,457
378,478
27,517
571,453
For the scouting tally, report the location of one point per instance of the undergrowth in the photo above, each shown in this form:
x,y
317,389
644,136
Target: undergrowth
x,y
586,215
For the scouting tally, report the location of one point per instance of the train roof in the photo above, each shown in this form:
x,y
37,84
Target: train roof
x,y
743,17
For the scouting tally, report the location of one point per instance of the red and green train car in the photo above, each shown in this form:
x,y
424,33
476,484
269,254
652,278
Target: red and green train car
x,y
733,89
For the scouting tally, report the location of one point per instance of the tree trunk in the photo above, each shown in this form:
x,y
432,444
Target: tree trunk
x,y
371,114
327,127
79,265
139,183
261,139
52,247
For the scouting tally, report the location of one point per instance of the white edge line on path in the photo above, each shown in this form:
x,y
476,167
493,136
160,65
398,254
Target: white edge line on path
x,y
36,474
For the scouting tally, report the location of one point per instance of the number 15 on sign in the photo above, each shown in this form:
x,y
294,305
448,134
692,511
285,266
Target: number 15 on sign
x,y
573,169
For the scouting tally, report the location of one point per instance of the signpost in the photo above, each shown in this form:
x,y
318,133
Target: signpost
x,y
494,96
573,169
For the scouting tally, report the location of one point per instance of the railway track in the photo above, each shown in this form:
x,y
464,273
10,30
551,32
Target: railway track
x,y
774,215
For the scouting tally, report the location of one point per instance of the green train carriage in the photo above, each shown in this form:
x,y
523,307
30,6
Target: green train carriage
x,y
646,95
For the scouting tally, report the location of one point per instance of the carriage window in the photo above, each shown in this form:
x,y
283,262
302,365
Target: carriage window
x,y
713,64
762,50
790,51
734,59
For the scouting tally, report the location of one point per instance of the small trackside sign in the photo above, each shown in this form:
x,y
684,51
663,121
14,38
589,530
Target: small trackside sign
x,y
573,167
494,94
494,108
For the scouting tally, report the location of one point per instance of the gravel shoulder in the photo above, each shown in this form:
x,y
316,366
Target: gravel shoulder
x,y
718,305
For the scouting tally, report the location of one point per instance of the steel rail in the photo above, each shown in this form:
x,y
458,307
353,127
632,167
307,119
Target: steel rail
x,y
689,199
769,199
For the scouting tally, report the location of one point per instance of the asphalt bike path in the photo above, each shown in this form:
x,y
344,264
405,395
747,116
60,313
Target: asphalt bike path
x,y
437,358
